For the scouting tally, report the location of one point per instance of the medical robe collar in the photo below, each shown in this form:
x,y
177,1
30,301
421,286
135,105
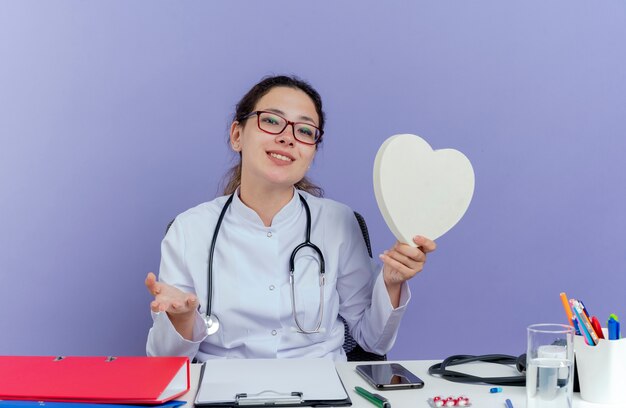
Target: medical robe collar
x,y
292,209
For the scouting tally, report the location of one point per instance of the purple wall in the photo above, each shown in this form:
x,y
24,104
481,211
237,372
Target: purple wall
x,y
113,119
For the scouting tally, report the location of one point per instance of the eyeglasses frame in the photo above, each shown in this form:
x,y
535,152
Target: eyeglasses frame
x,y
288,122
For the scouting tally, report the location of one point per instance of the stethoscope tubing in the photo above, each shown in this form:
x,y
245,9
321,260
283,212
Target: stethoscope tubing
x,y
212,322
211,252
292,260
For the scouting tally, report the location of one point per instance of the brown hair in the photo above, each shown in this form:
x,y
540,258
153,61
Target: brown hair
x,y
232,179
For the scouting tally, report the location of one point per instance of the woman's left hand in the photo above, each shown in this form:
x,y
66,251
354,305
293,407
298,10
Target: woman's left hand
x,y
403,261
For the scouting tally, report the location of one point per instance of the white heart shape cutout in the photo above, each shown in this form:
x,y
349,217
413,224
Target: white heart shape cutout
x,y
420,191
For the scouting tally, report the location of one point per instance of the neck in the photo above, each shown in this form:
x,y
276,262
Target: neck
x,y
265,202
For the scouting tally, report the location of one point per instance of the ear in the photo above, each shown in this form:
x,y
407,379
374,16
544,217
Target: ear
x,y
235,136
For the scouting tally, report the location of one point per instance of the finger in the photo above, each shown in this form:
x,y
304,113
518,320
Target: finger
x,y
403,259
154,306
410,252
184,303
425,244
150,281
402,269
192,302
153,286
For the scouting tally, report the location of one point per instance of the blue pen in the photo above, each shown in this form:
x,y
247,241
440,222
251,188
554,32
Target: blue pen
x,y
613,326
508,403
575,321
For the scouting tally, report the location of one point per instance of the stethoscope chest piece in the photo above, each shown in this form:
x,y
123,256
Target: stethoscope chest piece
x,y
212,324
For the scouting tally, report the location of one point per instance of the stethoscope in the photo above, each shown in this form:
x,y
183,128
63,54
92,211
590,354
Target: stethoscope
x,y
211,321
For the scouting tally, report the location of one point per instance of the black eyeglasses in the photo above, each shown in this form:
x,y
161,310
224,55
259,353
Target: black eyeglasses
x,y
275,124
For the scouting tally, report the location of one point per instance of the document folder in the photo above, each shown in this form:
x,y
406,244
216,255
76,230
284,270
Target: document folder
x,y
54,404
118,380
271,382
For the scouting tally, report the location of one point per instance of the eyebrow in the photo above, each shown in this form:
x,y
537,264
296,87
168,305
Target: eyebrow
x,y
279,112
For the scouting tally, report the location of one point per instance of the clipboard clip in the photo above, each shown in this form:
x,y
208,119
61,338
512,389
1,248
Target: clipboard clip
x,y
269,398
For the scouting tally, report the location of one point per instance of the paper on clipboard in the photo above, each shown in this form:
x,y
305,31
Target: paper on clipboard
x,y
264,381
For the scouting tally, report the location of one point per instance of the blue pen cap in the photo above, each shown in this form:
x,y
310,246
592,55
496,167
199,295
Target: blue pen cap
x,y
614,331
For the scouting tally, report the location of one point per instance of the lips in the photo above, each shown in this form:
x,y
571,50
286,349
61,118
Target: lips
x,y
281,156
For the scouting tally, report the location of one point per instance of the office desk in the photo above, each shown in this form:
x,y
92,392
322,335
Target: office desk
x,y
479,395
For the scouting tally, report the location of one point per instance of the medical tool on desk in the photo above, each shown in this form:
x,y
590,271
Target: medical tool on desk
x,y
442,370
211,321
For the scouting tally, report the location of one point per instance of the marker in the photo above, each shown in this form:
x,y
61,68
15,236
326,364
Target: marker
x,y
568,310
495,390
595,323
378,400
508,403
613,326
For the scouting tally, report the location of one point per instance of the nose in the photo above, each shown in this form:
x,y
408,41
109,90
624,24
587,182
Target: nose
x,y
287,136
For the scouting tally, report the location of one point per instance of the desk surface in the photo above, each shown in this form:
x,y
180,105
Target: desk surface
x,y
479,395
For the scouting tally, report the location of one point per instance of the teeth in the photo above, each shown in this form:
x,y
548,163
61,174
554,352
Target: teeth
x,y
280,157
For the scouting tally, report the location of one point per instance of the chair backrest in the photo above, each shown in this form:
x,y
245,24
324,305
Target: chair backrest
x,y
353,350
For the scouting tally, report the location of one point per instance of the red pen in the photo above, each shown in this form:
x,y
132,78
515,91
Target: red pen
x,y
595,323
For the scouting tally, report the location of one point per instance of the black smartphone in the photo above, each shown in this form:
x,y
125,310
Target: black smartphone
x,y
392,376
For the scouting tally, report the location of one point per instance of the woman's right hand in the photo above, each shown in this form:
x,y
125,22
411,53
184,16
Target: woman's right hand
x,y
180,306
170,299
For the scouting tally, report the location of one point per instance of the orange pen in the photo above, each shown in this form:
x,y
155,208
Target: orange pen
x,y
567,308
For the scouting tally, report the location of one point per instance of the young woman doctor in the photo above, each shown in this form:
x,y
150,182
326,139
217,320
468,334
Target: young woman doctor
x,y
225,288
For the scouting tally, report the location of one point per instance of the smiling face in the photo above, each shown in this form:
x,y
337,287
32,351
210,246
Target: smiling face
x,y
275,161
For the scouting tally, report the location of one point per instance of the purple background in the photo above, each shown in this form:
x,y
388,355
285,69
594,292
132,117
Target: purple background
x,y
114,118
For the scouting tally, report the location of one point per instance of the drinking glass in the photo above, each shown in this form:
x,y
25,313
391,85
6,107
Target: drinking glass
x,y
550,366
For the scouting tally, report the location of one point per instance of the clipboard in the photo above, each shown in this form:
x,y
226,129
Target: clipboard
x,y
271,383
47,404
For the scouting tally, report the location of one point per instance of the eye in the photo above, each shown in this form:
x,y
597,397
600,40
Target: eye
x,y
270,119
306,131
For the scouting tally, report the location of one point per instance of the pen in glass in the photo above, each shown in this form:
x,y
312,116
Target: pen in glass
x,y
375,399
584,323
568,310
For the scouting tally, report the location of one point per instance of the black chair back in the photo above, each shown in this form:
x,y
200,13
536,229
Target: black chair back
x,y
353,350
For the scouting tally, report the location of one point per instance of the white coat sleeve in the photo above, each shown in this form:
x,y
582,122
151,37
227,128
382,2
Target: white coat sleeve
x,y
163,339
364,300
